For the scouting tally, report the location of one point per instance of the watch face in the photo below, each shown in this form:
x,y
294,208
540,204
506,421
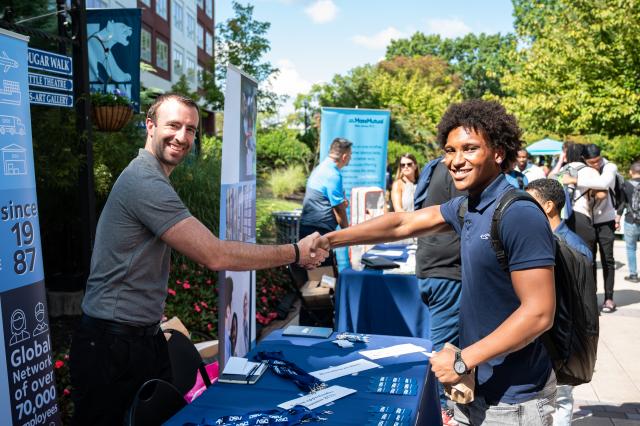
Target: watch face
x,y
459,367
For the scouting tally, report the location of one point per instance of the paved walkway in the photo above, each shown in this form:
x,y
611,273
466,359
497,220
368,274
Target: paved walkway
x,y
613,396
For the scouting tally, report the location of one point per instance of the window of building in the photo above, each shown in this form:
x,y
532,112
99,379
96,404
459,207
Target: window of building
x,y
162,54
177,16
201,4
190,69
200,39
161,8
191,26
209,8
200,78
178,60
209,43
145,45
97,4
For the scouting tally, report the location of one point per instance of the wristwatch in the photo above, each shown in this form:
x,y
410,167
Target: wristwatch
x,y
458,364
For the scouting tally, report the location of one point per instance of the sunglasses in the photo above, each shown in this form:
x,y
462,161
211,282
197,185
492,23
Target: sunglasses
x,y
406,164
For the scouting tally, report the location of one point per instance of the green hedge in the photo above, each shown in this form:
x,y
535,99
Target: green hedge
x,y
279,148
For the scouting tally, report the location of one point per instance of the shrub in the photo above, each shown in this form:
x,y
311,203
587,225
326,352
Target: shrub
x,y
280,148
285,182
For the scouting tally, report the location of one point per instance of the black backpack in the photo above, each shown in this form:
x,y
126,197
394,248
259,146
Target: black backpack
x,y
572,341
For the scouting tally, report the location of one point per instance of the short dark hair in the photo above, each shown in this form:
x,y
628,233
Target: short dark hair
x,y
548,190
487,118
591,151
152,113
574,152
340,146
635,167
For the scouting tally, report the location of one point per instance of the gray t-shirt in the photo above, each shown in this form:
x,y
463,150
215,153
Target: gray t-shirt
x,y
130,263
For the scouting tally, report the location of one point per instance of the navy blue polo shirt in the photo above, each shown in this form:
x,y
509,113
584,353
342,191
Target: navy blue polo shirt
x,y
488,297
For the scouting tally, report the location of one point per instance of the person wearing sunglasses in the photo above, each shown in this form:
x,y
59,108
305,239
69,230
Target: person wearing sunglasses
x,y
404,187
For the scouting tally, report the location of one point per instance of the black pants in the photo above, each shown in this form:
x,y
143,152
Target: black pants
x,y
581,225
605,236
108,369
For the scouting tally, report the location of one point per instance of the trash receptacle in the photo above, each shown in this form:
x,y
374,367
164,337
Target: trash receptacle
x,y
287,226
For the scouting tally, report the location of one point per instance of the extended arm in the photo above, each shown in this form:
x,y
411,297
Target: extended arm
x,y
590,178
535,289
191,238
388,227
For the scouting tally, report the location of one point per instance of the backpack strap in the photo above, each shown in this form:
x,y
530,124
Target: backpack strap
x,y
423,182
505,201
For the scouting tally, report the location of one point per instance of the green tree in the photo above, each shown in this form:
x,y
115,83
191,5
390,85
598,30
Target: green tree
x,y
241,41
479,60
581,74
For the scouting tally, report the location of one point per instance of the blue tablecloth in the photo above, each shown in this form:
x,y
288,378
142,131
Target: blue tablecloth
x,y
369,301
315,354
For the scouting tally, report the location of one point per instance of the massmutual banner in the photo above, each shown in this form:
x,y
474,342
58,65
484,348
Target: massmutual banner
x,y
27,381
236,318
369,131
113,46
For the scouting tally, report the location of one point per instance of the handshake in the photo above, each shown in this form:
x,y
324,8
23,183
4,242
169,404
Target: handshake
x,y
314,249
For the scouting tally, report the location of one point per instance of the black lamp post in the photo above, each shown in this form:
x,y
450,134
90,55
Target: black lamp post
x,y
305,104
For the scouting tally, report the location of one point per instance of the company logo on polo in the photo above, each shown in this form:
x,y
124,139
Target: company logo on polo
x,y
485,236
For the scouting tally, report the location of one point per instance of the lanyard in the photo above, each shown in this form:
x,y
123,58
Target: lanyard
x,y
289,370
293,416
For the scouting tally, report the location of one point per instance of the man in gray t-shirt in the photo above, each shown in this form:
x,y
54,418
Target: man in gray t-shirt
x,y
117,346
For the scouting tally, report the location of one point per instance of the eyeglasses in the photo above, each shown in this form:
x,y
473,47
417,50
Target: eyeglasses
x,y
406,164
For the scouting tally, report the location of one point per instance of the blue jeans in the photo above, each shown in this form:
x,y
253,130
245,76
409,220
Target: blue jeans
x,y
534,412
442,296
631,236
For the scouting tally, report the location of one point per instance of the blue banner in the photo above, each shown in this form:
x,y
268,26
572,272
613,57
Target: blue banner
x,y
369,131
27,381
114,52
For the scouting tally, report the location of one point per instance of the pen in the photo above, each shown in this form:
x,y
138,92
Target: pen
x,y
253,370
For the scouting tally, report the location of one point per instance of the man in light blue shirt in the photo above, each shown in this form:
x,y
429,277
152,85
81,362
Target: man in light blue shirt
x,y
325,206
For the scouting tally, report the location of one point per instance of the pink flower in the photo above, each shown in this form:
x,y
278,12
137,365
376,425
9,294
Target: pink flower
x,y
171,292
208,281
66,392
186,285
209,326
204,304
263,299
59,364
178,282
66,357
196,307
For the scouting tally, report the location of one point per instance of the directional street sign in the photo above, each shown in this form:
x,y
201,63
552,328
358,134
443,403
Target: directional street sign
x,y
50,82
50,99
51,62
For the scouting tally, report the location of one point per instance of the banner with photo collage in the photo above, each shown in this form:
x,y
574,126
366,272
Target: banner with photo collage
x,y
27,380
368,129
236,306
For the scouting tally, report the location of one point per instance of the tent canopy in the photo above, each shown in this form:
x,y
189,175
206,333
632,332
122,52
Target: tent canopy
x,y
545,146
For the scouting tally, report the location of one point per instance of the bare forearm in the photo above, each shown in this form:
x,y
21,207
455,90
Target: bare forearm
x,y
516,332
390,227
238,256
340,212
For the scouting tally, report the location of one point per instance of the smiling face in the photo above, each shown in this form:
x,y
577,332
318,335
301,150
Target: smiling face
x,y
472,162
522,159
171,136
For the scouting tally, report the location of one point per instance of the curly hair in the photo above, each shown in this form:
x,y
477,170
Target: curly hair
x,y
548,190
487,118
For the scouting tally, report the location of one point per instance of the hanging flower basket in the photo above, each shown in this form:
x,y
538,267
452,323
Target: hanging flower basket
x,y
111,118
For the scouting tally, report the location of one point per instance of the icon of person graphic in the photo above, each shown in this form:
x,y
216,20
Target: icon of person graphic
x,y
18,327
42,325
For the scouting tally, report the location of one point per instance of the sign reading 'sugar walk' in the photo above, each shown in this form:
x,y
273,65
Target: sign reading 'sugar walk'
x,y
27,381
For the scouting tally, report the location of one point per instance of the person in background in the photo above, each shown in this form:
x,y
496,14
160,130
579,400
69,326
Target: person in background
x,y
527,168
631,220
515,177
117,346
604,215
404,186
502,313
549,193
325,206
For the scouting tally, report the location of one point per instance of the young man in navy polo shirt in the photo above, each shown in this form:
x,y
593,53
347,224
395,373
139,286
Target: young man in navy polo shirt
x,y
502,314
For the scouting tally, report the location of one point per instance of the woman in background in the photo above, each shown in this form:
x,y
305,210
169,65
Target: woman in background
x,y
404,186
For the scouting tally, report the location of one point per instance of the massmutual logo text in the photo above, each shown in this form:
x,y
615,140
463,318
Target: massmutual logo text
x,y
358,120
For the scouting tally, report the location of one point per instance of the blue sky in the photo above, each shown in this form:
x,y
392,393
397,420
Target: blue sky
x,y
312,40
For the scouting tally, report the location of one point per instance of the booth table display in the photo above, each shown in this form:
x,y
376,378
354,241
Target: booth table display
x,y
369,301
313,354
